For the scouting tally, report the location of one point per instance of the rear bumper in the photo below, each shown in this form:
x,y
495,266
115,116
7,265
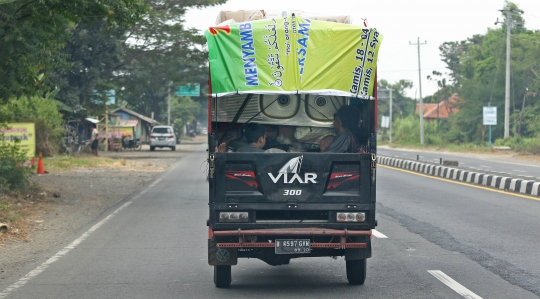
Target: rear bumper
x,y
170,142
296,233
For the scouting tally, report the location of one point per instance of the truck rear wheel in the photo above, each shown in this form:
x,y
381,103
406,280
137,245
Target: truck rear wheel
x,y
222,276
356,271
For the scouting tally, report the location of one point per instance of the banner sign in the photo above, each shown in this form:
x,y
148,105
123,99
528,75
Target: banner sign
x,y
293,55
490,116
25,132
116,132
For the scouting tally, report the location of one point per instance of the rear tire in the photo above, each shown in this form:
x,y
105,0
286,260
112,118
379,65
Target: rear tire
x,y
173,148
152,148
222,276
356,271
138,146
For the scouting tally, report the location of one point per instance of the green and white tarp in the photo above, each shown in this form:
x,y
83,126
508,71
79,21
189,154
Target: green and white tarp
x,y
293,55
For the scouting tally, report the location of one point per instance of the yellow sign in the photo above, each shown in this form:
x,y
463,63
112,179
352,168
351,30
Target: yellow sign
x,y
25,132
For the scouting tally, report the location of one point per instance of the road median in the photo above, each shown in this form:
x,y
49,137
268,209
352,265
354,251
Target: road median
x,y
506,183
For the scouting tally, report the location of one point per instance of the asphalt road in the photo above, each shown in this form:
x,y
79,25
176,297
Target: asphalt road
x,y
482,243
485,164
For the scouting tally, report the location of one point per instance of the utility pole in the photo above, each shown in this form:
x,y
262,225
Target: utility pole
x,y
390,108
169,106
508,22
420,85
390,139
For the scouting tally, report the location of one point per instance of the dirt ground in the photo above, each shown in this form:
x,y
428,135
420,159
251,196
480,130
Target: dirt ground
x,y
69,199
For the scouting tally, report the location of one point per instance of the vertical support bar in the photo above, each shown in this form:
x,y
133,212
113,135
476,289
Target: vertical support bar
x,y
390,139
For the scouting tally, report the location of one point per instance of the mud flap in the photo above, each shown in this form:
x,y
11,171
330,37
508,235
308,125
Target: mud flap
x,y
359,253
221,256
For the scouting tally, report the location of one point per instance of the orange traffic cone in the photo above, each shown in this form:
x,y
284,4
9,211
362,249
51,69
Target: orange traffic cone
x,y
40,167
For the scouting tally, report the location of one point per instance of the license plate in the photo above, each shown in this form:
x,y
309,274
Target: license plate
x,y
293,246
161,138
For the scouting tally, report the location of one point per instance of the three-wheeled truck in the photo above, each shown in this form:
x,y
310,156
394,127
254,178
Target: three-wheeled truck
x,y
291,75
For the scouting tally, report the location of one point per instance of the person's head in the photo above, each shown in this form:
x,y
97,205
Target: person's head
x,y
325,142
347,117
256,135
92,126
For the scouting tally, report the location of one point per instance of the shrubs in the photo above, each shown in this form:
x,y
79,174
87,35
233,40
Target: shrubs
x,y
12,175
43,112
521,145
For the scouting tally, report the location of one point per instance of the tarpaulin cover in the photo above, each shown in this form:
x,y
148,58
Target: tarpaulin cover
x,y
293,55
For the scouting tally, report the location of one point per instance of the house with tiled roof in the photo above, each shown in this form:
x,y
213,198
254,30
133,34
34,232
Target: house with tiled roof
x,y
441,110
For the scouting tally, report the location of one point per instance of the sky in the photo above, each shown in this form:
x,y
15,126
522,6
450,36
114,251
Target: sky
x,y
401,22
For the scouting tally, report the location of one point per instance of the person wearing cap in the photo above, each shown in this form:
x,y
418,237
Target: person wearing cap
x,y
345,125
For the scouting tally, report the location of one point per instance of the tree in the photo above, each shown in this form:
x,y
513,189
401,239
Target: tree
x,y
402,106
94,50
33,33
160,54
477,70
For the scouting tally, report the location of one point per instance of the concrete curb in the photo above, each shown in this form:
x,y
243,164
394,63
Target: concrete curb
x,y
489,180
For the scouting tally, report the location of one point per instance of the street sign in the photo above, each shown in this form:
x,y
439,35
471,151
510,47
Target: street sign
x,y
385,122
189,90
490,116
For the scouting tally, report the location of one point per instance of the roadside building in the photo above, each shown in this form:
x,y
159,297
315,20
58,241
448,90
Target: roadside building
x,y
122,119
441,110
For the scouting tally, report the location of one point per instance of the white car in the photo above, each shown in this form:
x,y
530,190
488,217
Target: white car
x,y
162,136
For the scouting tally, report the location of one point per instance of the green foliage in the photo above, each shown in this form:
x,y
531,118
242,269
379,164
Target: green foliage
x,y
43,112
406,131
477,69
162,54
94,50
183,110
12,175
522,145
402,106
33,33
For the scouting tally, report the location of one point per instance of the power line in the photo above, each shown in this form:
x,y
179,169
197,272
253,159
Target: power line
x,y
424,69
527,39
531,15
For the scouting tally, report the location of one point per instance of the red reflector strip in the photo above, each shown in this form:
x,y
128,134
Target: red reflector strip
x,y
245,245
313,245
298,232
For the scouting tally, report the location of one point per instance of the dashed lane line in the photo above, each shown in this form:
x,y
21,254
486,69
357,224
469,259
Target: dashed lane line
x,y
378,234
454,285
39,269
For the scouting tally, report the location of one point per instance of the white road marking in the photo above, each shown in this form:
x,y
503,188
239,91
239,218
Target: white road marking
x,y
378,234
485,166
39,269
518,170
454,285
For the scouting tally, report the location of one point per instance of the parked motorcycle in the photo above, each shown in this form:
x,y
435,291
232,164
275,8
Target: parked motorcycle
x,y
133,144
